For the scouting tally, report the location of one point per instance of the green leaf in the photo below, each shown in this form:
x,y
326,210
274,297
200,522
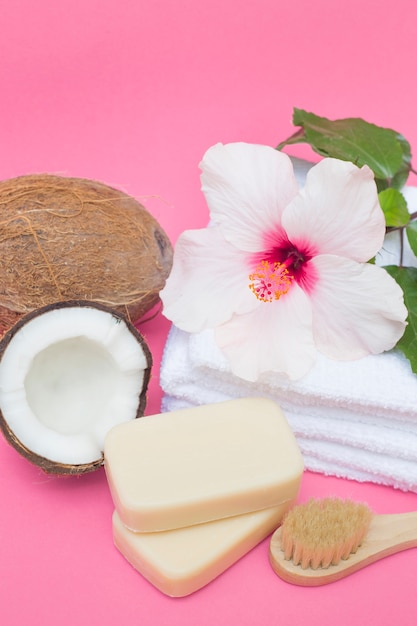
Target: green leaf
x,y
394,206
400,178
384,150
411,232
406,277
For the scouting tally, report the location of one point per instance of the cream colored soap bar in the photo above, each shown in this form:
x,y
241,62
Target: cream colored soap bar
x,y
201,464
179,562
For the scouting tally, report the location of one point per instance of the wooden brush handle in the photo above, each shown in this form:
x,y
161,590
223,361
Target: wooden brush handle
x,y
387,535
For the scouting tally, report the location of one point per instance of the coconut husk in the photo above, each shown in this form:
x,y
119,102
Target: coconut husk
x,y
72,238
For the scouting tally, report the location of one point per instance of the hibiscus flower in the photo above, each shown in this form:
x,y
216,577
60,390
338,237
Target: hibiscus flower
x,y
281,273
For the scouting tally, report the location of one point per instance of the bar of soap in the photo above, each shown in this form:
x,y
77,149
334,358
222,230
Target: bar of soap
x,y
179,562
201,464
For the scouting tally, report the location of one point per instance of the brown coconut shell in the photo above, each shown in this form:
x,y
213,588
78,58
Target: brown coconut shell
x,y
51,466
72,238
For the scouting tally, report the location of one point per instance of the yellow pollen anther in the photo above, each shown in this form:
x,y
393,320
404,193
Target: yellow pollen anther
x,y
270,281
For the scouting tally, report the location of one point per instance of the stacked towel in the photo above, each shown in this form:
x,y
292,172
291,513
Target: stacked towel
x,y
354,420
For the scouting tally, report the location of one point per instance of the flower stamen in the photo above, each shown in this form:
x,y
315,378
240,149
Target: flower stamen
x,y
270,281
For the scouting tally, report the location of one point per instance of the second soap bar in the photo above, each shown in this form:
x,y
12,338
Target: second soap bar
x,y
179,562
200,464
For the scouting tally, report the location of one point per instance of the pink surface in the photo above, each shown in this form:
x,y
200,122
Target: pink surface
x,y
133,93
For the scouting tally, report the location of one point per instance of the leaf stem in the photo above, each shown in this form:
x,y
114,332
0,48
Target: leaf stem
x,y
297,137
401,247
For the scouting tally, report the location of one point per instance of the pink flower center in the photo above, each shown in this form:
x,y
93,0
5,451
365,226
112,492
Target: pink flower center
x,y
270,281
277,268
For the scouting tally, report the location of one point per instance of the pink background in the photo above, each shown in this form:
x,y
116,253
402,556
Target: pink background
x,y
133,93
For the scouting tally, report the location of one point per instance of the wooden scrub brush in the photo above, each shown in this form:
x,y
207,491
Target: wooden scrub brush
x,y
322,541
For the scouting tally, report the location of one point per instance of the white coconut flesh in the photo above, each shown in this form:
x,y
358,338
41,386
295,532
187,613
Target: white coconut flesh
x,y
67,377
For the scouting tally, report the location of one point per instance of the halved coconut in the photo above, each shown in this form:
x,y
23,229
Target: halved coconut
x,y
69,372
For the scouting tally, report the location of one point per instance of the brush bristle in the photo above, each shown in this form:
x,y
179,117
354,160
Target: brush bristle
x,y
320,533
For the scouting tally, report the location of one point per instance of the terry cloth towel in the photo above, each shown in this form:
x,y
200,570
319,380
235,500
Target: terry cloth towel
x,y
354,419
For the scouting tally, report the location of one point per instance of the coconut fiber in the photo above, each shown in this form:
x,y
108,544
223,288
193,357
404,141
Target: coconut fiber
x,y
77,239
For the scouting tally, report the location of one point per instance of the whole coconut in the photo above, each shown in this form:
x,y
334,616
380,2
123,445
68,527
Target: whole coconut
x,y
77,239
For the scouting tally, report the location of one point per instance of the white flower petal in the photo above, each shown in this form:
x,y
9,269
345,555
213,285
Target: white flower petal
x,y
337,212
276,337
358,309
247,187
209,281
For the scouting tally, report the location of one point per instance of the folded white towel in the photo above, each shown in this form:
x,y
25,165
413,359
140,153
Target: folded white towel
x,y
353,419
